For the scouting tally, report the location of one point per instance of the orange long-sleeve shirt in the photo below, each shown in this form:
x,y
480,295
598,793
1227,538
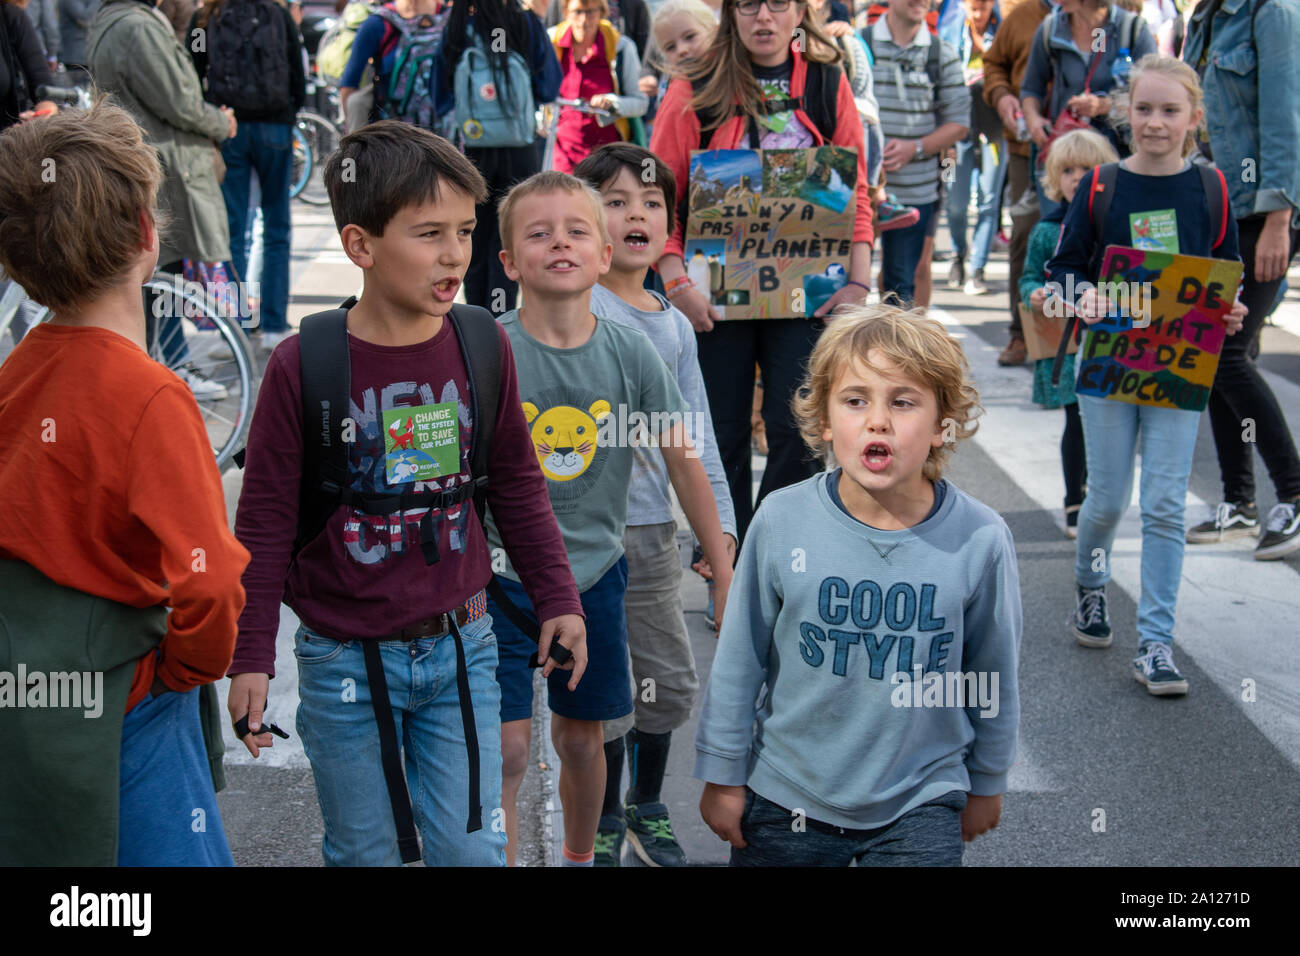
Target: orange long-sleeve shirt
x,y
111,488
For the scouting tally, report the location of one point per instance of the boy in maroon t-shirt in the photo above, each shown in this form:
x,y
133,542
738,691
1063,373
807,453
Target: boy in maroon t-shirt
x,y
403,200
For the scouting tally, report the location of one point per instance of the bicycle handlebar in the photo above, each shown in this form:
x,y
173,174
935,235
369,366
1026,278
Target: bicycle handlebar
x,y
59,95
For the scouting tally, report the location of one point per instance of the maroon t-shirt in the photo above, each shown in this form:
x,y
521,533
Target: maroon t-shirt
x,y
365,575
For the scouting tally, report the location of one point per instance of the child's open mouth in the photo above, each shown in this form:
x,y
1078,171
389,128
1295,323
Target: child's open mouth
x,y
877,456
444,290
562,265
636,241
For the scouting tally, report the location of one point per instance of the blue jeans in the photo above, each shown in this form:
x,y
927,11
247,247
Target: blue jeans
x,y
928,835
268,149
167,811
981,165
900,253
1113,433
337,725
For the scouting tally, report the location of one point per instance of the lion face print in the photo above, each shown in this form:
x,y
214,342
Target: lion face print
x,y
564,437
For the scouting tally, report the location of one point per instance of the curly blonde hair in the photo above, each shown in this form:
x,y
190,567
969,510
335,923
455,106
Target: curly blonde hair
x,y
920,348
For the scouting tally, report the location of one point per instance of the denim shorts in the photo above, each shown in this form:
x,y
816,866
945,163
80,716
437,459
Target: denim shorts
x,y
928,835
605,691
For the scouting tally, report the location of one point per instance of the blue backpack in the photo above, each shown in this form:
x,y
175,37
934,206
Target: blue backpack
x,y
407,92
493,110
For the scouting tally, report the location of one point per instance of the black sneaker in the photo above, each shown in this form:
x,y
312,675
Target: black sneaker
x,y
1072,521
1091,622
1281,534
1154,667
1231,520
956,274
609,841
651,835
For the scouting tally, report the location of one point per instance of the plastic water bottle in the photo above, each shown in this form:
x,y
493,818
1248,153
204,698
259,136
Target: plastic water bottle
x,y
1121,69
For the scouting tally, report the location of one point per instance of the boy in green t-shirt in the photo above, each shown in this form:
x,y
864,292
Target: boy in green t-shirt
x,y
591,390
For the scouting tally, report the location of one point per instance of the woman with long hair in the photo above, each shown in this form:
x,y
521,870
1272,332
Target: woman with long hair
x,y
502,166
747,91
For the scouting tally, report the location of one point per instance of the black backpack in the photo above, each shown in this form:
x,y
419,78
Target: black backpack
x,y
248,62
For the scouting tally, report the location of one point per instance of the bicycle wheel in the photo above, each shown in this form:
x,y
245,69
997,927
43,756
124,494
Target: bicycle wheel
x,y
210,352
302,163
322,138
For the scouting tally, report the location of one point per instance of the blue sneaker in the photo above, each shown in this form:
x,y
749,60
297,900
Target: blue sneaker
x,y
609,841
651,835
1154,666
1091,623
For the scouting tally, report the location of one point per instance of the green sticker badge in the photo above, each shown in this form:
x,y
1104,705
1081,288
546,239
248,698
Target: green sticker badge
x,y
1156,230
421,443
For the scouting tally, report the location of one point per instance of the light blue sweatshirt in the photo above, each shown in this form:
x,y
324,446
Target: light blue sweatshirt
x,y
648,500
860,637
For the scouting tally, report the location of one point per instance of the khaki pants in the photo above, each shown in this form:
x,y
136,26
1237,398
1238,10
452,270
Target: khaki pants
x,y
663,665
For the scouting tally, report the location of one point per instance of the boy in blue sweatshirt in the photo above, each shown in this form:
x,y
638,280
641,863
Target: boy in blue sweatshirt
x,y
879,606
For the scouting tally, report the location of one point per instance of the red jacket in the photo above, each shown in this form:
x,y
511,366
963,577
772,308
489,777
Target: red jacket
x,y
677,132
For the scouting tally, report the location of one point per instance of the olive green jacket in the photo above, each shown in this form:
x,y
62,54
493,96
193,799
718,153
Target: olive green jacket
x,y
134,56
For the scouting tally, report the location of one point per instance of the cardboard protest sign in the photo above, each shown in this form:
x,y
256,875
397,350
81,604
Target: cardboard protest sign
x,y
769,232
1160,346
1043,333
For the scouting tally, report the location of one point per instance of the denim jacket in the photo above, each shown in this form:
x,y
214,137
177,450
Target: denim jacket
x,y
1257,148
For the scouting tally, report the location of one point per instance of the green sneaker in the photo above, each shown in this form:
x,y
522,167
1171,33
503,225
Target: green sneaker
x,y
651,835
609,841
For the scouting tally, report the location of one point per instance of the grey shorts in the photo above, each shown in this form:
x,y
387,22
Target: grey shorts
x,y
664,681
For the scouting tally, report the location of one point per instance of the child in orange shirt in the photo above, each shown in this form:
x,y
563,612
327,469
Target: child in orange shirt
x,y
117,514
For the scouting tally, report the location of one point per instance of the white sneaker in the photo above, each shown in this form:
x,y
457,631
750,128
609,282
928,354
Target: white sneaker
x,y
270,340
204,389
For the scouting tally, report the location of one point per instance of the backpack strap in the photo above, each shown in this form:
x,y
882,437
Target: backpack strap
x,y
1130,29
1100,194
326,386
480,348
821,97
1216,194
933,65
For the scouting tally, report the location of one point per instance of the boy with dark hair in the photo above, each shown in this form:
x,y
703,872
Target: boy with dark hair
x,y
592,389
638,191
390,590
880,607
118,515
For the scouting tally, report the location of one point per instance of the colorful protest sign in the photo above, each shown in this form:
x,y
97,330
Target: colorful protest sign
x,y
1160,346
1043,333
769,232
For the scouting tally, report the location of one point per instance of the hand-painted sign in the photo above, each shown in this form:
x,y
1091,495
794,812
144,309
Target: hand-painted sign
x,y
769,232
1160,346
